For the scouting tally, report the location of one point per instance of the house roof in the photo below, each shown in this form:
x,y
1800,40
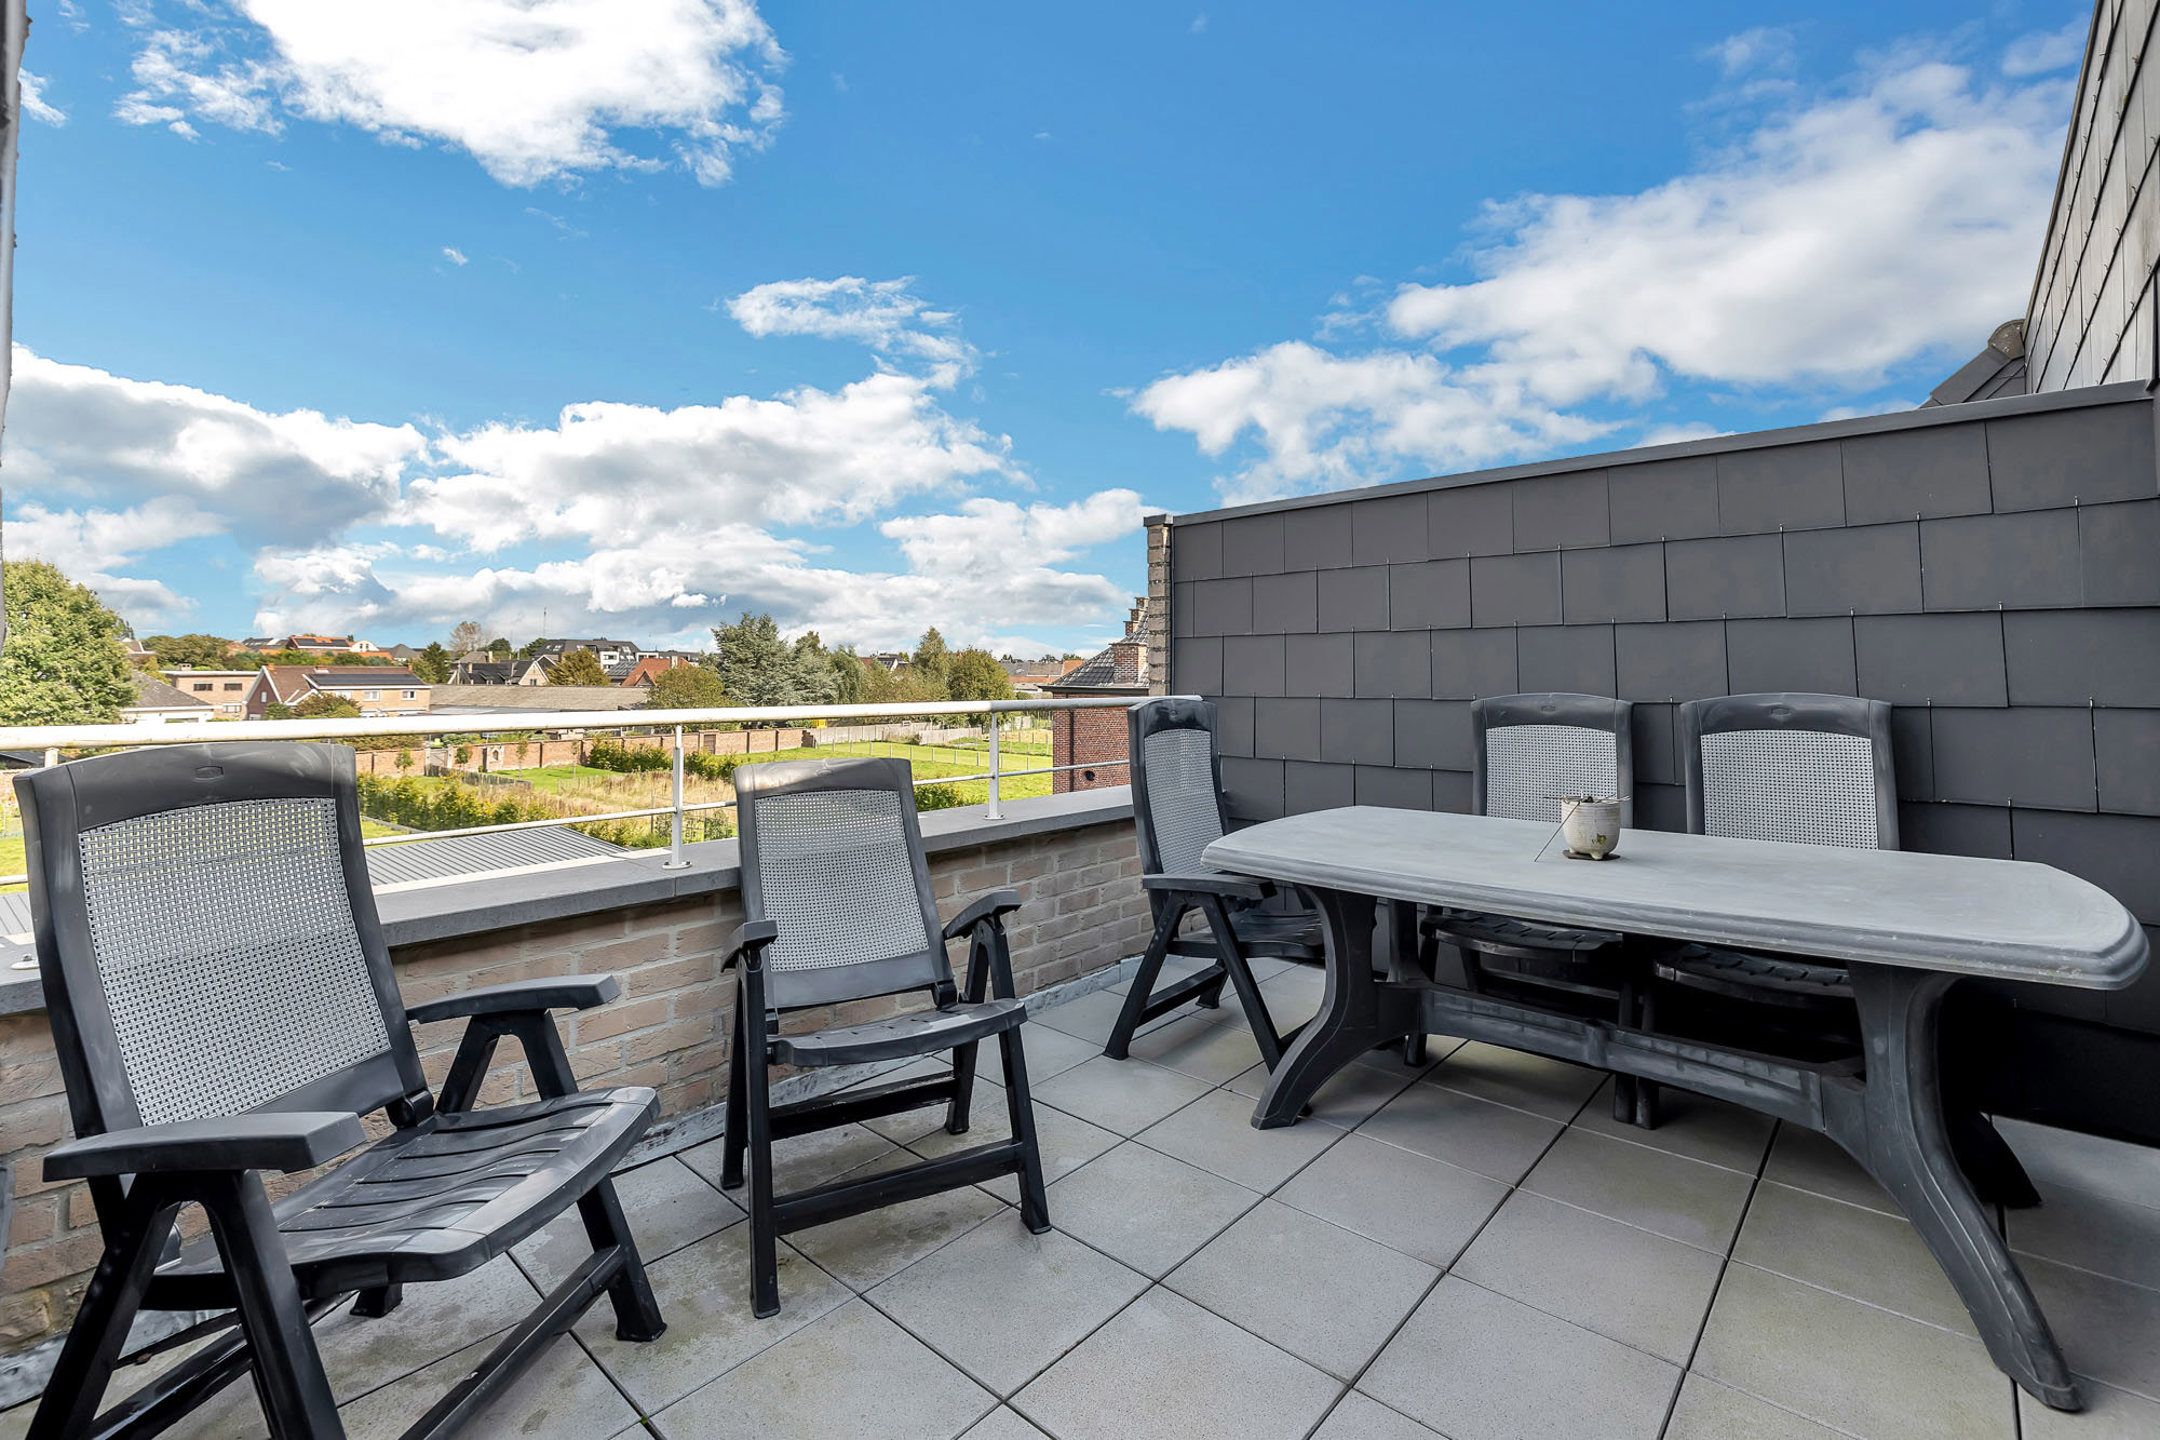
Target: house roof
x,y
646,669
490,699
152,693
1996,371
360,677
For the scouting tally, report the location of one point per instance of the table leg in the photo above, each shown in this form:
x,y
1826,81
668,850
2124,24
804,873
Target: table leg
x,y
1893,1124
1356,1015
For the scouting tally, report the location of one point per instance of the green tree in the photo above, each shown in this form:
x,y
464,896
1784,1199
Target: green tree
x,y
687,687
851,680
757,667
322,705
65,662
579,667
893,687
464,638
931,656
500,648
196,650
976,675
433,664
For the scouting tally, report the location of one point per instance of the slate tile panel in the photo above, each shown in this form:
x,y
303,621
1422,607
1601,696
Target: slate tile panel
x,y
1222,607
1357,732
1390,528
2022,561
1737,576
1196,666
1323,540
1234,725
1354,599
1932,659
2070,657
2119,552
1251,665
1253,544
1871,570
1286,729
1252,789
1393,786
1655,743
1319,665
1181,608
1310,785
1515,590
1433,595
1912,750
1468,664
2070,457
1286,604
1916,474
1622,582
1982,830
1565,657
1433,734
1451,791
1562,511
2127,749
1681,660
1661,807
1815,655
1392,664
2112,851
1196,551
2033,758
1470,520
1664,499
1785,487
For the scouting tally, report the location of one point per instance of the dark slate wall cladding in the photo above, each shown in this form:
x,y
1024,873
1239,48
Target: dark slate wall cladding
x,y
1995,575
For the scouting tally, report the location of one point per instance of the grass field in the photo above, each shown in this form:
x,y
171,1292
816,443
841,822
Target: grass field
x,y
929,762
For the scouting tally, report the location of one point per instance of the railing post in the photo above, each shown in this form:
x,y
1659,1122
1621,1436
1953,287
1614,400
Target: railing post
x,y
675,859
990,810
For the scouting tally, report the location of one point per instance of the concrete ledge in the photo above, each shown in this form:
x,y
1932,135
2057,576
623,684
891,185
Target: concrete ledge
x,y
489,903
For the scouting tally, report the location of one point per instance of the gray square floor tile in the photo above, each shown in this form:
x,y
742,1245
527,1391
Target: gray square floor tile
x,y
1004,1423
2109,1414
863,1249
1426,1208
1323,1294
1145,1208
1849,1365
1552,1088
1360,1417
2093,1232
1850,1249
1351,1094
1813,1162
1216,1133
564,1394
1513,1373
1174,968
1066,1142
803,1161
1692,1125
1494,1140
986,1107
704,1295
1048,1052
1707,1410
1192,1046
1165,1369
1627,1284
667,1204
2108,1329
1091,1017
1002,1304
1669,1195
435,1320
1122,1095
2085,1162
849,1372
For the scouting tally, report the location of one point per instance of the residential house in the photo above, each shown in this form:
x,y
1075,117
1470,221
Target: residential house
x,y
481,668
225,690
892,662
648,668
1095,741
376,689
609,653
157,703
1031,679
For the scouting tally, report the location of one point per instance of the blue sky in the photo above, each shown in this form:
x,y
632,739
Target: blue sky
x,y
623,315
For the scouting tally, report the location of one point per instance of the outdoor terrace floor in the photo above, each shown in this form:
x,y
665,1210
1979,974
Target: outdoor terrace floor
x,y
1471,1249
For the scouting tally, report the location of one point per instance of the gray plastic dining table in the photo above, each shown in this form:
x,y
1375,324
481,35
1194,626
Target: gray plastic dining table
x,y
1907,926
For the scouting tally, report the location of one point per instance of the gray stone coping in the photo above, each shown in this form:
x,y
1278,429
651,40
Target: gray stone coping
x,y
485,903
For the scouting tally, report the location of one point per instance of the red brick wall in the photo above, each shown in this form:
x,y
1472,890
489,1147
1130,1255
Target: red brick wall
x,y
1093,738
1082,909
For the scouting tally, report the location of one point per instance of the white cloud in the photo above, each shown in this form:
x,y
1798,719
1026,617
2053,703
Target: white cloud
x,y
2047,50
96,546
34,103
532,89
1766,47
1895,220
885,315
455,256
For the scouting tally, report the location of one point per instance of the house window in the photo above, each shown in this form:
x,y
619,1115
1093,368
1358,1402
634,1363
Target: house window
x,y
410,694
233,686
371,694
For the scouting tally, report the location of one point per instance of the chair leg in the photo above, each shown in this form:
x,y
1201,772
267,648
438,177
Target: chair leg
x,y
108,1308
374,1304
1143,981
637,1313
1646,1091
764,1252
288,1370
738,1130
1020,1109
1241,976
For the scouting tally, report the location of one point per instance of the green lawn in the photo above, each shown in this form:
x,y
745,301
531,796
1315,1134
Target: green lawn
x,y
929,762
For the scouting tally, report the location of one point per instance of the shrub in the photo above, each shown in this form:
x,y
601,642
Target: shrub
x,y
938,797
627,759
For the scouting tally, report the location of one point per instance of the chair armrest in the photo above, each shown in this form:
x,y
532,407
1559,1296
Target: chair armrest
x,y
1230,887
748,943
993,907
563,992
295,1140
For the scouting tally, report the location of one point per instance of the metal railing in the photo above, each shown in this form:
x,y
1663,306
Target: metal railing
x,y
56,740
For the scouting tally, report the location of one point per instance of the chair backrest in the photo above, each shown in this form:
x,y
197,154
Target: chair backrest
x,y
1176,783
1809,769
1530,750
832,854
207,936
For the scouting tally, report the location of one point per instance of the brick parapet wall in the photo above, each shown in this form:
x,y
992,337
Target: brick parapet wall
x,y
1081,910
